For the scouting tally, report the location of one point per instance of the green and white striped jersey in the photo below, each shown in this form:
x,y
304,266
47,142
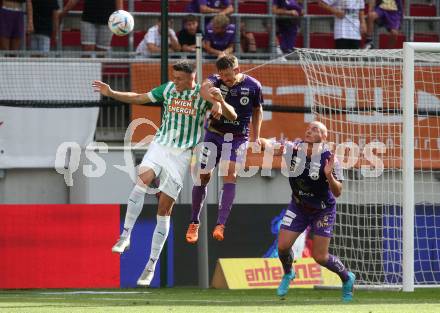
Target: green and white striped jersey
x,y
183,117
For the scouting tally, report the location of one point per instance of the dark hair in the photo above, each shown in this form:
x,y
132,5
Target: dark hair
x,y
227,61
184,66
190,18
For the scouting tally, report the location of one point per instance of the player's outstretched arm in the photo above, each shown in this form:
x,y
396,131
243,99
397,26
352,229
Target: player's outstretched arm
x,y
127,97
276,146
334,184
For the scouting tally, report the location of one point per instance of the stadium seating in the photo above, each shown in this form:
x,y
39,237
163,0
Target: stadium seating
x,y
80,5
120,41
426,37
154,5
315,9
71,38
252,6
261,40
322,40
417,9
385,41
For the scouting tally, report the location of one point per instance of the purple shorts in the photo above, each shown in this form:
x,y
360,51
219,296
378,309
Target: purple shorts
x,y
389,19
236,153
321,221
11,24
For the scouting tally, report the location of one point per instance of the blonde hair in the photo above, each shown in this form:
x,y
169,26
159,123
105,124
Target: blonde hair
x,y
220,20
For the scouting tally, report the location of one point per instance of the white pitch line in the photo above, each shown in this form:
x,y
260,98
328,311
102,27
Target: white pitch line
x,y
93,292
179,300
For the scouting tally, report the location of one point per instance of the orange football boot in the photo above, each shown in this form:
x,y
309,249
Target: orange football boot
x,y
218,232
192,234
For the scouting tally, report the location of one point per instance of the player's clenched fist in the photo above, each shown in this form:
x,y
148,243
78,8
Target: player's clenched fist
x,y
216,110
102,87
216,93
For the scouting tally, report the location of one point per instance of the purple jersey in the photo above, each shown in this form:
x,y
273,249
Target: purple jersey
x,y
288,5
310,188
220,42
244,97
194,6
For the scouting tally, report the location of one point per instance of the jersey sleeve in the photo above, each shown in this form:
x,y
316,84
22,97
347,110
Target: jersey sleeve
x,y
157,94
214,80
150,36
258,101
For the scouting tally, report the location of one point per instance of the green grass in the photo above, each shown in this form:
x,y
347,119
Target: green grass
x,y
206,301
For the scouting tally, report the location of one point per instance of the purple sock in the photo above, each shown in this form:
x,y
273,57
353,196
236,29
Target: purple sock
x,y
198,196
227,197
335,265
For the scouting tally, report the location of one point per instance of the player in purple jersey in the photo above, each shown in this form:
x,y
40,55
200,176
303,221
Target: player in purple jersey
x,y
287,27
228,138
210,6
388,13
219,38
315,178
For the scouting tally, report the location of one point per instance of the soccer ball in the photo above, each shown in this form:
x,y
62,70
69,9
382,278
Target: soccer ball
x,y
121,23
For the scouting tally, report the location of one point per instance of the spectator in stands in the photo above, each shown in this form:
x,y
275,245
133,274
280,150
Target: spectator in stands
x,y
247,39
211,6
150,45
287,27
349,21
220,34
45,14
95,34
12,23
388,13
187,36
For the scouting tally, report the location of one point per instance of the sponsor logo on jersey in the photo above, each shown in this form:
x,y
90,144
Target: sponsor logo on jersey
x,y
226,121
244,91
306,194
233,92
224,88
324,222
182,106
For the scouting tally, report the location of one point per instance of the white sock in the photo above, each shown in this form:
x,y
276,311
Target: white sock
x,y
157,242
279,51
134,208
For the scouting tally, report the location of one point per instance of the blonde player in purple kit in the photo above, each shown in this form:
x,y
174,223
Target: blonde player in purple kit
x,y
244,93
315,178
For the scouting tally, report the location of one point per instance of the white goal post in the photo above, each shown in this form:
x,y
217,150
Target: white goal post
x,y
388,225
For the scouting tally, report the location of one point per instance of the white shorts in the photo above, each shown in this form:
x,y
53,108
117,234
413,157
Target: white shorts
x,y
95,34
169,165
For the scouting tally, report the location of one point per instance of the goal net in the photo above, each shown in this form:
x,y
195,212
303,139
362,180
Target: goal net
x,y
358,96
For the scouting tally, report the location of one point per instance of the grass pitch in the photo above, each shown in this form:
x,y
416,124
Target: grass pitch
x,y
207,301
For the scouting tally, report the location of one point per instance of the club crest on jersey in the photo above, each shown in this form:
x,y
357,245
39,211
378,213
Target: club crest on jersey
x,y
244,100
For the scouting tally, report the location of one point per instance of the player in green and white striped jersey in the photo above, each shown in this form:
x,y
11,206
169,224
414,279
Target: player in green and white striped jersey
x,y
169,155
